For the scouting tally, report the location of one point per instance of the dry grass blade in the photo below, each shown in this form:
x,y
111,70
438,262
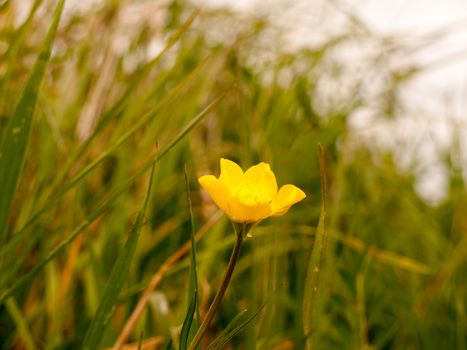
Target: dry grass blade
x,y
156,279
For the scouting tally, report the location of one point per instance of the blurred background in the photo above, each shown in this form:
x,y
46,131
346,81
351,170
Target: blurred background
x,y
380,85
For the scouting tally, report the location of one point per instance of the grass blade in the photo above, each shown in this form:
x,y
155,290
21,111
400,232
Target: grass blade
x,y
226,334
21,324
19,235
193,286
107,202
140,342
125,100
16,136
184,334
144,119
312,282
116,280
15,43
237,325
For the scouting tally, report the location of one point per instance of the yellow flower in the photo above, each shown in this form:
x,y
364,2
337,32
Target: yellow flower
x,y
251,196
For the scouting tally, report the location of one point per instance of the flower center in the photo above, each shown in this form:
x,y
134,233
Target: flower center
x,y
252,195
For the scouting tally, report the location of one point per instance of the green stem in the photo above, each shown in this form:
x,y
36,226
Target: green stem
x,y
220,292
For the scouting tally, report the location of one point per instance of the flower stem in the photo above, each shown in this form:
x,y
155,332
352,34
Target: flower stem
x,y
220,293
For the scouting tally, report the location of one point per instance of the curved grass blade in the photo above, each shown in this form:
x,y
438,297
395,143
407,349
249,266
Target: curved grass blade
x,y
313,277
239,323
226,335
107,202
116,280
16,136
184,334
169,345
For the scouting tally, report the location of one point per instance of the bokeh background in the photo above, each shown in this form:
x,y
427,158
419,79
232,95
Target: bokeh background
x,y
381,86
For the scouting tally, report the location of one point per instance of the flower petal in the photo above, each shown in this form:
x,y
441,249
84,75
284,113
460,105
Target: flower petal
x,y
261,177
217,189
241,212
231,173
287,196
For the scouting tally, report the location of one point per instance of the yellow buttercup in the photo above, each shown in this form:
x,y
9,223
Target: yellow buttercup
x,y
250,196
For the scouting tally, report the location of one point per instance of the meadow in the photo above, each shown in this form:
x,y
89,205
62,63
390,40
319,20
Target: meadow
x,y
108,241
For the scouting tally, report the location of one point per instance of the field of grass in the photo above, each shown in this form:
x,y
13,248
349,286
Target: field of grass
x,y
106,125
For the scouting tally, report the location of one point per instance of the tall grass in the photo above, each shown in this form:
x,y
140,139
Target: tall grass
x,y
110,106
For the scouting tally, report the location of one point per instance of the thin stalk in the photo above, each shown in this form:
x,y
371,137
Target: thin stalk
x,y
220,292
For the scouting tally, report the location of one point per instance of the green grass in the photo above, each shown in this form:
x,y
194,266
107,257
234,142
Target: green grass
x,y
90,242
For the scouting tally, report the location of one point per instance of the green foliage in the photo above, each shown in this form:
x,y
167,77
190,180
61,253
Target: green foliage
x,y
116,280
392,271
16,135
313,290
